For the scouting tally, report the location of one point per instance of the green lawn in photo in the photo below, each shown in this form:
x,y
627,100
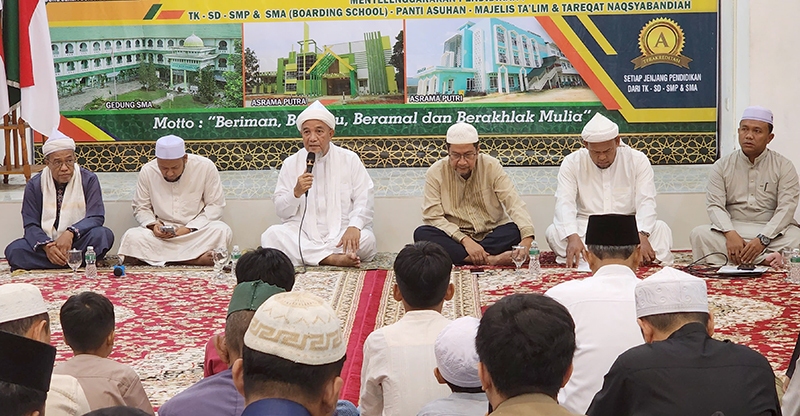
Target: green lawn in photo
x,y
184,101
141,95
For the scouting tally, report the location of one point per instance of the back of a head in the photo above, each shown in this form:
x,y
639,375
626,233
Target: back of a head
x,y
21,307
309,353
526,342
422,271
17,400
268,265
671,298
87,319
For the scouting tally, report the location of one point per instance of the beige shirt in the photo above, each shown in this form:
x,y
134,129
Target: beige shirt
x,y
474,206
530,405
106,382
764,193
192,201
397,372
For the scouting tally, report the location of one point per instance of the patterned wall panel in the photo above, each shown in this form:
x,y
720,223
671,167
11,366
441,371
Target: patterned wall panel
x,y
662,149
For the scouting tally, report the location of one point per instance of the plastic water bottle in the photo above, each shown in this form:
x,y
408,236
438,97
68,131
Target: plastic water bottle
x,y
235,254
794,268
91,263
534,267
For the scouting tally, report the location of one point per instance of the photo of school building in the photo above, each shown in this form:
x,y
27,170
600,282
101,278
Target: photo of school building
x,y
492,55
88,57
358,67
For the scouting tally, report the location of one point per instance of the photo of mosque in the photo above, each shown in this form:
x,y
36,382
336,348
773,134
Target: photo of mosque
x,y
302,62
489,59
104,62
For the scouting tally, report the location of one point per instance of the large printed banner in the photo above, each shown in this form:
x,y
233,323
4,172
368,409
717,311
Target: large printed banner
x,y
213,69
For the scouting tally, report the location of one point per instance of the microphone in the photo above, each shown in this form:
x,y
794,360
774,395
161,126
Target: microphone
x,y
310,164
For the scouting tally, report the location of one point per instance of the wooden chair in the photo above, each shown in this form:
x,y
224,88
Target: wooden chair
x,y
16,150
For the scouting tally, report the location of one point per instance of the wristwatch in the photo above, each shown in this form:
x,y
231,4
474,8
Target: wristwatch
x,y
645,233
764,239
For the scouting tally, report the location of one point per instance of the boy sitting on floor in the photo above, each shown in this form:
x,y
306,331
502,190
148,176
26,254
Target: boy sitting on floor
x,y
399,358
457,366
88,323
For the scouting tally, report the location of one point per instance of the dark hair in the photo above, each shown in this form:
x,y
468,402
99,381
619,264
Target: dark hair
x,y
459,389
266,374
668,321
268,265
17,400
526,342
118,411
22,325
769,127
235,328
422,271
611,252
86,319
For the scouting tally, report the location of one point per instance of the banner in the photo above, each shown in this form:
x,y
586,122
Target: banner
x,y
136,70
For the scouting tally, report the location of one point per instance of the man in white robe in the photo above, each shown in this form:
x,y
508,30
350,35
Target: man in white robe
x,y
606,177
336,199
181,191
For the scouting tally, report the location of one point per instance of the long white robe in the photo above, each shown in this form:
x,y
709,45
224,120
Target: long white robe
x,y
625,187
196,200
341,196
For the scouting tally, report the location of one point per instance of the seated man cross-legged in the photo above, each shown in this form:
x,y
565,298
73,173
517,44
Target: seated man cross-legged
x,y
470,206
326,190
62,209
178,204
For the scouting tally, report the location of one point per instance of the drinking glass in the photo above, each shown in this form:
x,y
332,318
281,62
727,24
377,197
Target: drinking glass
x,y
74,259
518,255
221,258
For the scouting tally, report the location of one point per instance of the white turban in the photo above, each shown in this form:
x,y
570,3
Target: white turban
x,y
758,114
57,141
316,111
462,133
170,147
599,129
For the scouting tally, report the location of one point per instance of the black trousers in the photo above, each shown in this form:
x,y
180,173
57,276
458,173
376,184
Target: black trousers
x,y
500,240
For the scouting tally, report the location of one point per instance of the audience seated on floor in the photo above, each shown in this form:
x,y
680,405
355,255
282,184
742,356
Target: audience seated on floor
x,y
681,370
25,369
602,306
399,359
525,343
178,204
457,366
281,376
87,320
217,395
470,206
270,266
23,312
62,209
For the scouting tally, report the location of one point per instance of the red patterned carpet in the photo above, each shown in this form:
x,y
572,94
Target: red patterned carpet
x,y
165,317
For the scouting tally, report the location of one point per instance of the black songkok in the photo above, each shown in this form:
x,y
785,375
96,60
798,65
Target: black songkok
x,y
26,362
612,230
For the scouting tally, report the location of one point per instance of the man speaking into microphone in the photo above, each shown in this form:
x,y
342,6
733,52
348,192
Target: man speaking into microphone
x,y
324,198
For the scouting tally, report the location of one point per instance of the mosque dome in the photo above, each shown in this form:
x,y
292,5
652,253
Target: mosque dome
x,y
193,41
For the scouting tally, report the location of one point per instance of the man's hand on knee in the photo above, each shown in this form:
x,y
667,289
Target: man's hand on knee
x,y
735,244
350,240
54,255
475,252
575,248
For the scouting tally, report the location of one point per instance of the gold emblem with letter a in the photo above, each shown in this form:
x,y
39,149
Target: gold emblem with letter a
x,y
661,41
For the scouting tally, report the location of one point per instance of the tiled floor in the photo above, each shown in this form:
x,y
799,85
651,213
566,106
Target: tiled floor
x,y
394,182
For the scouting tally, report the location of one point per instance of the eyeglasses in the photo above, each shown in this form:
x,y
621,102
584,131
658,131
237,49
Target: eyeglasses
x,y
458,156
57,164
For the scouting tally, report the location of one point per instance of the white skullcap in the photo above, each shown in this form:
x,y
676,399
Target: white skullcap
x,y
57,141
20,300
316,111
757,113
462,133
170,147
599,129
456,357
670,291
298,326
